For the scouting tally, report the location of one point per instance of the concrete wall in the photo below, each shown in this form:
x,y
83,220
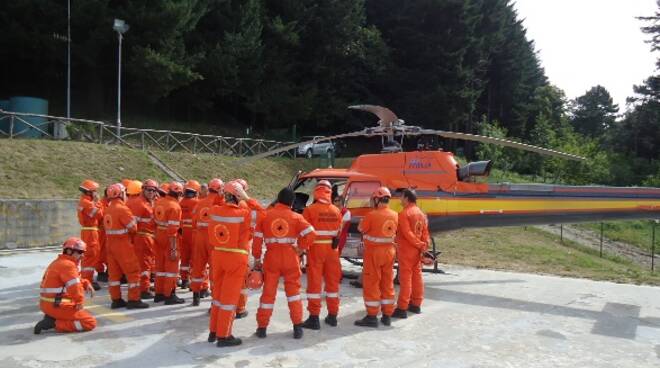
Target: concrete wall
x,y
37,223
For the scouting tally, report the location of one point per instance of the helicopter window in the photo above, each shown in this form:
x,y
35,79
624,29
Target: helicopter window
x,y
359,194
305,190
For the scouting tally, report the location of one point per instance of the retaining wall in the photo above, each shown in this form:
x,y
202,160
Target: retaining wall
x,y
36,223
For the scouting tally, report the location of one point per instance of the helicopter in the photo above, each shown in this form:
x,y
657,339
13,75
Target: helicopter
x,y
449,193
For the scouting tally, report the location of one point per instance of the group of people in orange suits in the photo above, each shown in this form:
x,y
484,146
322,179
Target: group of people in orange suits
x,y
202,236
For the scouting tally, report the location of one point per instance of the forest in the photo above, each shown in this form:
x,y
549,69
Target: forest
x,y
460,65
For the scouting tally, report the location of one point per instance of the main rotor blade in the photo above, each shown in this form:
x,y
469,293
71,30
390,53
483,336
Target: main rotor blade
x,y
502,142
296,145
386,116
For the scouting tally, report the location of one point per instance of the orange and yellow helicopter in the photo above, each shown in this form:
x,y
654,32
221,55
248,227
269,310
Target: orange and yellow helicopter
x,y
448,193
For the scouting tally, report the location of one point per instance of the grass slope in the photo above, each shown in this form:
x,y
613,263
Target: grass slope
x,y
533,250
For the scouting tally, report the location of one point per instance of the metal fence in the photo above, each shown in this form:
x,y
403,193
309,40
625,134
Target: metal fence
x,y
23,125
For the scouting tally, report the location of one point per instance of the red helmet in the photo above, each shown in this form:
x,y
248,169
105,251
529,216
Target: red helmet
x,y
75,244
382,192
89,186
428,258
164,189
324,183
255,280
176,187
150,183
234,188
243,183
115,190
192,185
216,185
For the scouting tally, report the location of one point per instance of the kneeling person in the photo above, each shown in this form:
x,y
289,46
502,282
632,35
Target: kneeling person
x,y
63,292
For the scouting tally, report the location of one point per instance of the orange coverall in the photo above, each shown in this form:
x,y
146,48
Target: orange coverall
x,y
281,229
187,236
378,229
102,265
62,280
323,263
90,214
201,254
144,239
168,220
256,211
412,238
228,234
119,225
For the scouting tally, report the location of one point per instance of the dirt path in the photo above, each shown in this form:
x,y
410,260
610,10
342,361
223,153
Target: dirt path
x,y
591,239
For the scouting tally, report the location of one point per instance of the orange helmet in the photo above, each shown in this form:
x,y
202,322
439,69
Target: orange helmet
x,y
115,190
216,185
243,183
234,188
75,244
255,280
89,186
150,183
428,258
324,183
176,187
134,187
192,185
126,182
164,189
382,192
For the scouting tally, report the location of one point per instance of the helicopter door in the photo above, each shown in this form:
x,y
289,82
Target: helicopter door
x,y
357,197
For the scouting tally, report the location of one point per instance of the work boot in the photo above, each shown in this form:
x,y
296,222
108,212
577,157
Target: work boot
x,y
414,309
312,323
241,314
96,286
159,298
146,295
204,293
298,331
174,299
195,302
123,280
400,313
102,277
46,323
211,338
261,332
185,284
356,284
331,320
118,303
368,321
386,320
228,341
136,304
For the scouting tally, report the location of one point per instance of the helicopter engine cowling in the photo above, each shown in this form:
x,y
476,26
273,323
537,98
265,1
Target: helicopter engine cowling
x,y
477,168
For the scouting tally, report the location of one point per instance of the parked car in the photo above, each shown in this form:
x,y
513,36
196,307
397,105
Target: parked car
x,y
316,149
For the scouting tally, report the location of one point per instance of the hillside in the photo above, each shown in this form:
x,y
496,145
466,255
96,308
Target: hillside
x,y
48,169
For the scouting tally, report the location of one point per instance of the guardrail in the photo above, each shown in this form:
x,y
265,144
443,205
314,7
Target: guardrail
x,y
24,125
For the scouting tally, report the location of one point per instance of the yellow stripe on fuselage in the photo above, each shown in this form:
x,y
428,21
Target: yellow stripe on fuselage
x,y
458,206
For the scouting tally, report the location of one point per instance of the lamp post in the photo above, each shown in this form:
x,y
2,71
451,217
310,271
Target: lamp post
x,y
120,27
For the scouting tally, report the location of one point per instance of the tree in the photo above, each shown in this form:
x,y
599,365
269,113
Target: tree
x,y
594,112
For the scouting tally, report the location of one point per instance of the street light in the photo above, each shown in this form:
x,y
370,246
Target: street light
x,y
120,27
